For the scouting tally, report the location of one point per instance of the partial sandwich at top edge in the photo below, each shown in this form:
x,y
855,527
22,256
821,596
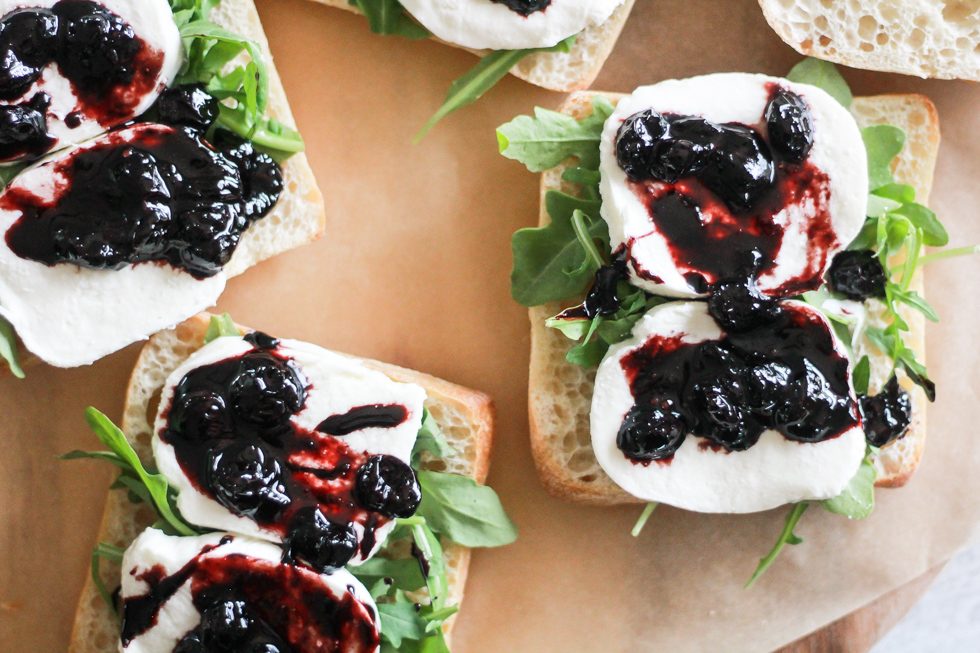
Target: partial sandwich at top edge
x,y
275,485
560,45
666,430
199,176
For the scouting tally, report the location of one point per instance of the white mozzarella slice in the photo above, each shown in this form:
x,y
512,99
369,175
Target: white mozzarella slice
x,y
68,315
773,472
482,24
338,384
837,151
178,615
153,22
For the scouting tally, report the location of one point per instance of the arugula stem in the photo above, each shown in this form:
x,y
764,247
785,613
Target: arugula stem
x,y
644,516
786,537
102,550
582,233
442,614
948,253
417,520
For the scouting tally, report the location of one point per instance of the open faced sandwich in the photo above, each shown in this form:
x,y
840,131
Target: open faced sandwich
x,y
148,156
727,311
278,497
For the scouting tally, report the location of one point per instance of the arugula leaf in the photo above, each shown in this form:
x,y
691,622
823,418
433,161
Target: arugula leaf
x,y
465,512
933,232
883,143
550,263
221,327
824,75
404,573
862,375
491,69
8,348
8,172
431,439
389,17
400,621
134,475
786,537
857,501
547,139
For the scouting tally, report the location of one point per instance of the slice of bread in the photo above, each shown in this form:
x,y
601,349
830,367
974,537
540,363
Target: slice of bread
x,y
299,216
465,416
560,393
559,71
927,38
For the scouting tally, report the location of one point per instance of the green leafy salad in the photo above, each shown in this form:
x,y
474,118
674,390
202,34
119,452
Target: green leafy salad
x,y
412,593
556,263
210,52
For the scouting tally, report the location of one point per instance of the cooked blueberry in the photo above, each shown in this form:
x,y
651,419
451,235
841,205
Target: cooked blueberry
x,y
790,126
24,127
686,149
225,625
723,406
261,176
320,543
98,48
525,7
770,390
248,480
191,643
389,486
857,274
28,43
887,415
268,390
738,305
200,415
651,432
740,169
635,140
208,235
261,340
821,412
189,105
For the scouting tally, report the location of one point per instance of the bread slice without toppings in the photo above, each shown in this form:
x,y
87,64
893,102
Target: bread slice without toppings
x,y
559,71
560,393
299,216
465,416
927,38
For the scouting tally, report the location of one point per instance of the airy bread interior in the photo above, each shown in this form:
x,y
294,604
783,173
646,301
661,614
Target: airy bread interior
x,y
928,38
560,393
559,71
465,416
299,216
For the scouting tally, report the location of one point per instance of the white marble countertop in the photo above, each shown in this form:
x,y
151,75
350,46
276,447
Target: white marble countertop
x,y
947,619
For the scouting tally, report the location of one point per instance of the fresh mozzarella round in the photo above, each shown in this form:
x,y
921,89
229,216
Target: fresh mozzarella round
x,y
154,556
68,315
837,152
483,24
772,472
70,119
337,384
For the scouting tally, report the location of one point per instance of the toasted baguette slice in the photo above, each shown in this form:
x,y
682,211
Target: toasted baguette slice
x,y
466,418
560,393
299,217
929,38
559,71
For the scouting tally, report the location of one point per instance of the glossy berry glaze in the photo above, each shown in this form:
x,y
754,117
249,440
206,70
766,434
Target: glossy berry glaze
x,y
229,424
784,374
251,605
887,415
524,7
110,69
713,190
146,193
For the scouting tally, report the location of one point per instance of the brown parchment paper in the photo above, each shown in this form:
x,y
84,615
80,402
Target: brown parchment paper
x,y
414,269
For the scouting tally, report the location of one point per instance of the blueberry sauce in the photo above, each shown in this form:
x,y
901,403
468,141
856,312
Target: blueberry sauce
x,y
603,297
24,128
147,193
364,417
713,191
857,275
229,423
251,604
783,374
524,7
887,415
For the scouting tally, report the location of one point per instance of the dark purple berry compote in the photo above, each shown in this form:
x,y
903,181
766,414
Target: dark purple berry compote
x,y
148,193
525,7
240,437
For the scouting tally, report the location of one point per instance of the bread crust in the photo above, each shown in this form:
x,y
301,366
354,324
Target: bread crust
x,y
559,393
556,71
95,630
